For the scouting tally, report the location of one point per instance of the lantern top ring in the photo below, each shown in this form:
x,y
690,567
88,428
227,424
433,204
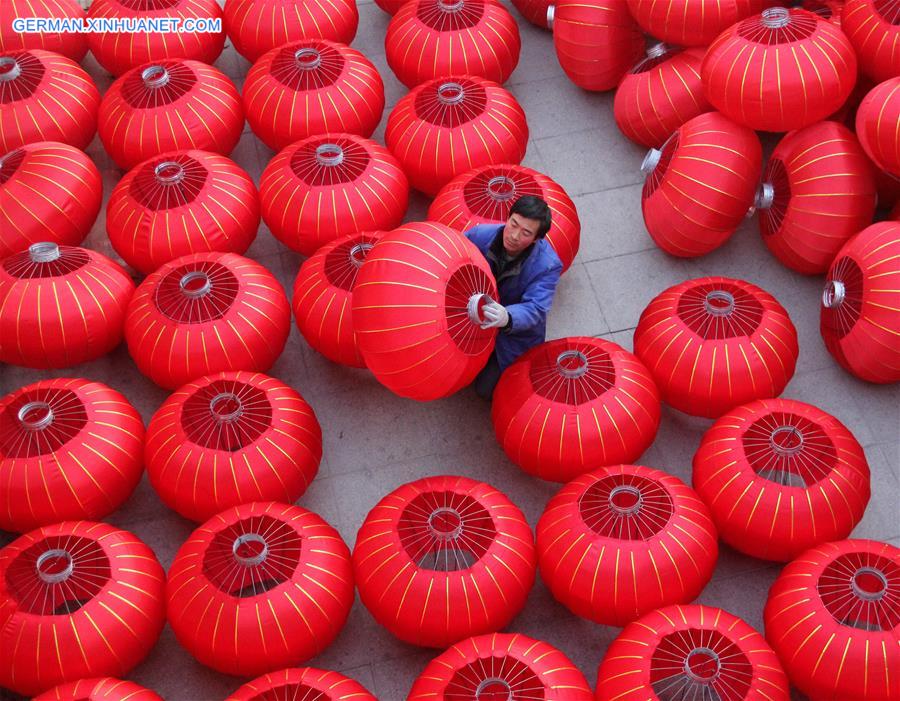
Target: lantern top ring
x,y
35,416
54,575
9,69
155,76
307,58
776,17
253,542
833,294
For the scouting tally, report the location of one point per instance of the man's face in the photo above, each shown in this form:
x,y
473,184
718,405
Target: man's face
x,y
519,233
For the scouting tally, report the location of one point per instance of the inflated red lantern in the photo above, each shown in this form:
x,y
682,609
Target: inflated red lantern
x,y
700,184
715,343
781,70
596,41
119,52
620,541
571,405
417,311
45,97
102,689
302,684
487,194
691,652
260,587
92,591
781,476
873,27
49,191
535,11
833,617
331,185
72,44
858,320
444,558
876,125
691,22
323,296
206,313
312,87
502,667
178,203
826,9
448,126
169,106
60,306
430,39
232,438
258,26
817,191
69,450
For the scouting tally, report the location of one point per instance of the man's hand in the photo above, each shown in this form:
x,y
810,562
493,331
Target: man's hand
x,y
495,316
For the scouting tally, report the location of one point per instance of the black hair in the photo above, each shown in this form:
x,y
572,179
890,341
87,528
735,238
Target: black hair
x,y
533,207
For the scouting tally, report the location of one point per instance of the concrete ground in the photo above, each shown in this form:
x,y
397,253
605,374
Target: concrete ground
x,y
375,441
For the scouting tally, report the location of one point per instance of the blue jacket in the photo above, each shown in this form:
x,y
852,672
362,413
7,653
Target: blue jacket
x,y
526,290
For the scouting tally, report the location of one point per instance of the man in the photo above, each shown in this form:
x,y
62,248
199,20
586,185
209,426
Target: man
x,y
527,270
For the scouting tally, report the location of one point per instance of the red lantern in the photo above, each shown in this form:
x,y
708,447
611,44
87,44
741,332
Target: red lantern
x,y
312,87
179,203
826,9
323,295
119,52
700,185
833,617
596,41
691,652
102,689
691,22
535,11
876,125
206,313
305,683
715,343
448,126
430,39
48,192
45,97
169,106
258,26
417,311
781,70
60,306
87,589
443,558
70,44
69,450
260,587
487,194
781,476
568,406
873,28
859,322
331,185
818,190
232,438
501,666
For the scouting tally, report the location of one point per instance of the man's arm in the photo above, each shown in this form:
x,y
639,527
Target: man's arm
x,y
536,301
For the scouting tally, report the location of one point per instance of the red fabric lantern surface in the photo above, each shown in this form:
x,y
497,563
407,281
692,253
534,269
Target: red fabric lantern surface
x,y
77,599
430,39
260,587
700,184
876,125
60,306
70,44
119,52
826,9
206,313
323,296
48,192
833,617
312,87
69,449
178,203
45,97
715,343
302,684
487,194
417,311
781,70
571,405
232,438
858,321
258,26
818,190
781,476
443,558
691,652
873,28
449,126
330,185
169,106
535,11
691,22
659,94
501,666
621,541
596,41
102,689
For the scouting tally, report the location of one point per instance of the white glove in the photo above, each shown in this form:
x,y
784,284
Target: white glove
x,y
495,316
